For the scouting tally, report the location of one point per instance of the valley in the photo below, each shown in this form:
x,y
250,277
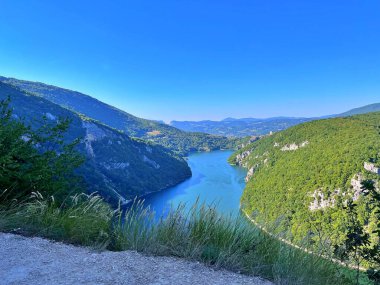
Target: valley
x,y
189,142
294,183
214,182
176,140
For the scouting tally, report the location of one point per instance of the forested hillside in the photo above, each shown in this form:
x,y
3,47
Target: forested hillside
x,y
167,136
301,180
116,165
362,110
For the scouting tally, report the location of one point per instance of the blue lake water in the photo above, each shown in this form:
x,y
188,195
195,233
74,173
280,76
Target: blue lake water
x,y
214,182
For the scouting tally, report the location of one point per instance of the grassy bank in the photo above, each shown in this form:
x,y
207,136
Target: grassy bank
x,y
197,234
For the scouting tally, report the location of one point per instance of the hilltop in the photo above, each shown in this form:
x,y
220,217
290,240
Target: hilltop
x,y
177,140
362,110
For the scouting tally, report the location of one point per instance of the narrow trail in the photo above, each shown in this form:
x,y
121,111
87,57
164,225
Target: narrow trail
x,y
33,261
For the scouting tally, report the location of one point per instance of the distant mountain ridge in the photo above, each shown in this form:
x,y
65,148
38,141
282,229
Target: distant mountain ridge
x,y
179,136
116,166
232,127
150,130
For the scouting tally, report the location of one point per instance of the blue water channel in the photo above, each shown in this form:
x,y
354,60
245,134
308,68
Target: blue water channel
x,y
214,182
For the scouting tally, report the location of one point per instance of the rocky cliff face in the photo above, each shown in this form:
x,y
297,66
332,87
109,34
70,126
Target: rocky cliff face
x,y
240,158
176,140
322,201
294,146
371,167
116,165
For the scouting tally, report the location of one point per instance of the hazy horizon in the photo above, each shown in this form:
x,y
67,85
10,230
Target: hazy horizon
x,y
200,119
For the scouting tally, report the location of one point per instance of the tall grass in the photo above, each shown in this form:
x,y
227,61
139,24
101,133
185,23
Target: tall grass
x,y
199,233
82,219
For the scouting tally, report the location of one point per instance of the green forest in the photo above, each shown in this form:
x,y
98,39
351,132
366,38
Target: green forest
x,y
318,158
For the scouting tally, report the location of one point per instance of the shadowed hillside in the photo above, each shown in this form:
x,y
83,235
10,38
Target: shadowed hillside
x,y
116,165
167,136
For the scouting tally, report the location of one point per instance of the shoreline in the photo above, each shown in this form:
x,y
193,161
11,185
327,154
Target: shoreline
x,y
289,243
142,197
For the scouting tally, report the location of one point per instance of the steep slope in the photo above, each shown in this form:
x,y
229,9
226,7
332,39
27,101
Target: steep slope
x,y
239,127
362,110
116,165
167,136
299,179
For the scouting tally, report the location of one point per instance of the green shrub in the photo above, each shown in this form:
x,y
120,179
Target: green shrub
x,y
199,234
35,160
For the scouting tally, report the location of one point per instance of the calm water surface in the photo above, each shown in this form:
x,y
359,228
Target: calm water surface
x,y
214,181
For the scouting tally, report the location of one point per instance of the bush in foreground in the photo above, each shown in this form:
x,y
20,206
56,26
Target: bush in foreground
x,y
198,234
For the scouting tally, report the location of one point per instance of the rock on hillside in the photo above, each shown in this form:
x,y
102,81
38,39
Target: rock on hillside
x,y
165,135
305,174
116,166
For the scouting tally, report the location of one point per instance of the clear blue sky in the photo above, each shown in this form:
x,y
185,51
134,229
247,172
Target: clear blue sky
x,y
200,59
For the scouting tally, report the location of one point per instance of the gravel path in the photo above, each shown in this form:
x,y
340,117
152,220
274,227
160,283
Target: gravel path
x,y
39,261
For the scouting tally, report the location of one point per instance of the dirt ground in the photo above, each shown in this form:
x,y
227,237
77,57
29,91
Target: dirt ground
x,y
32,261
